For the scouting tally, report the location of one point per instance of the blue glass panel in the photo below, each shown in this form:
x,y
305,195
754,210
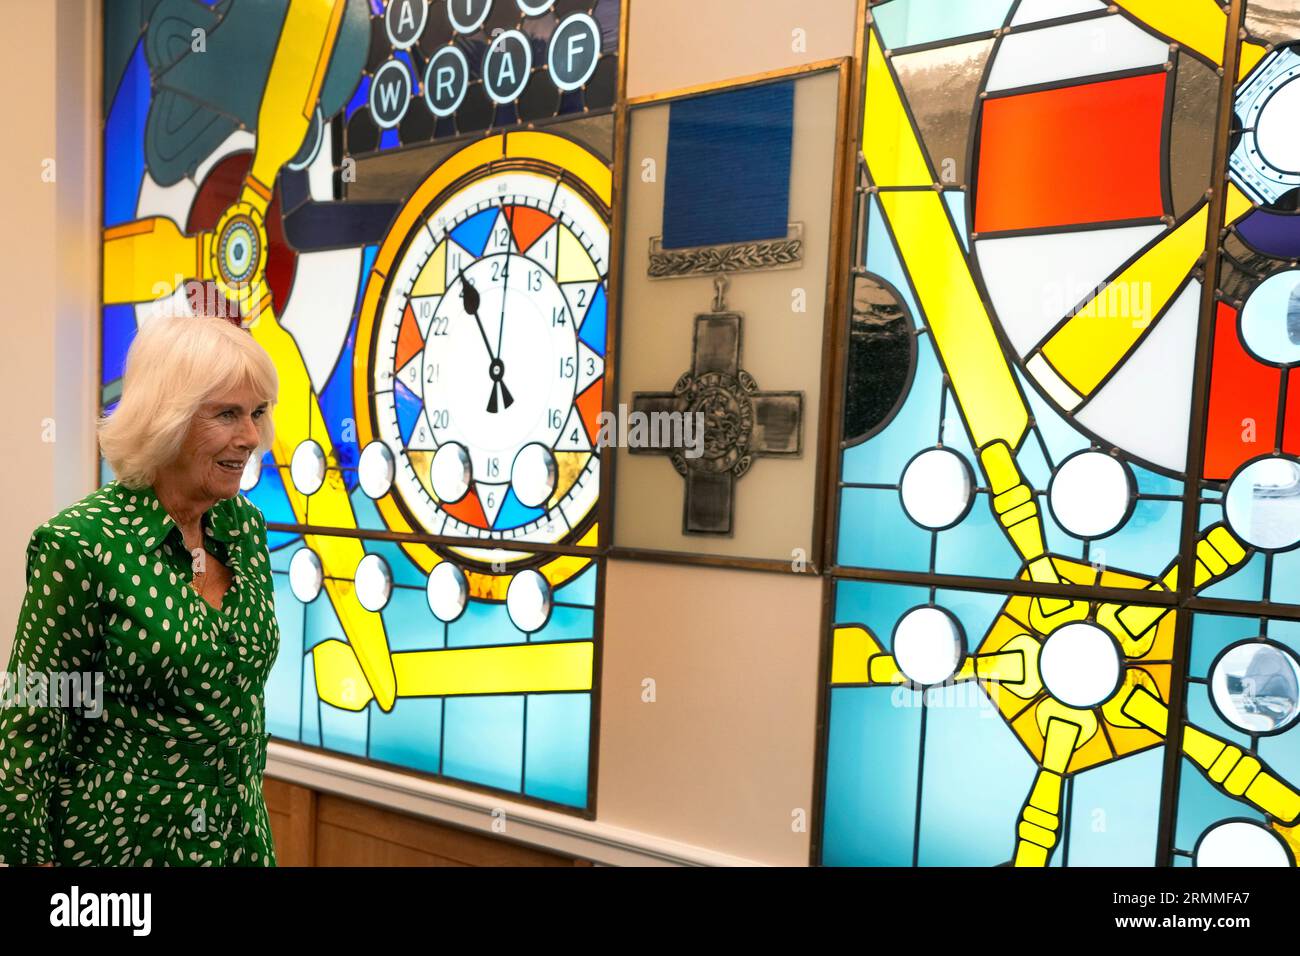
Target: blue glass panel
x,y
409,623
409,734
483,740
1200,806
977,776
118,331
284,689
976,546
876,533
559,728
124,142
1114,812
1211,633
957,210
882,260
567,624
871,778
1246,585
483,623
593,326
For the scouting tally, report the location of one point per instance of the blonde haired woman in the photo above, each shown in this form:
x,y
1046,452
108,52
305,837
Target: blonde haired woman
x,y
158,583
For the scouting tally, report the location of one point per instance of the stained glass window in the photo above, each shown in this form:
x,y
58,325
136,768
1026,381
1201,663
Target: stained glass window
x,y
1067,480
424,251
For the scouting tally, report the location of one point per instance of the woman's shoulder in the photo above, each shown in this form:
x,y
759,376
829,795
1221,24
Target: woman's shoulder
x,y
86,518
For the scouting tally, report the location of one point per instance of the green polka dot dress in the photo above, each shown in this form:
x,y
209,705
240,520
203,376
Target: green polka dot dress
x,y
158,761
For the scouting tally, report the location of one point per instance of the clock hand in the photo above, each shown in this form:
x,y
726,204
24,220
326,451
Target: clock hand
x,y
472,300
499,367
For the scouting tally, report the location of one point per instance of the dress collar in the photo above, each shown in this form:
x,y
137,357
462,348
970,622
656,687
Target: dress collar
x,y
152,522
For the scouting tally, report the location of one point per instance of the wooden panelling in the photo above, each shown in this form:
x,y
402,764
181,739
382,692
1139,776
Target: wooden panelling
x,y
320,829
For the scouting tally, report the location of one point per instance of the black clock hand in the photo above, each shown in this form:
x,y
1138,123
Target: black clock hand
x,y
472,300
499,367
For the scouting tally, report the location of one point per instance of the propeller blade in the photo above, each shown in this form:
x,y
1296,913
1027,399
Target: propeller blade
x,y
148,259
292,88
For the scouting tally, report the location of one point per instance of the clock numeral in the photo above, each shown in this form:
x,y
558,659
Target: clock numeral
x,y
431,372
567,367
494,467
440,325
503,236
557,316
413,375
440,418
491,500
426,309
556,418
591,366
535,280
582,298
496,270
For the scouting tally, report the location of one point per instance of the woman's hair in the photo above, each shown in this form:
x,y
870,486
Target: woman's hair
x,y
175,364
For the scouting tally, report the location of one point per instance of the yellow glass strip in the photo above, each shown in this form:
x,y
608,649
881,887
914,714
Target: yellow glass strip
x,y
963,331
889,145
1095,340
148,259
293,87
515,669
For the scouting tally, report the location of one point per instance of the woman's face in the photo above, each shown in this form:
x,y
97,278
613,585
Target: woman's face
x,y
221,438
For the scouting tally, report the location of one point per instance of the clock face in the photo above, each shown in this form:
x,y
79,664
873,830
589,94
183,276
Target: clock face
x,y
488,361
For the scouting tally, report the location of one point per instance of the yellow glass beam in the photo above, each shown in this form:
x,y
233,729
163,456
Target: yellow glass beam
x,y
1094,341
149,258
512,669
292,89
890,146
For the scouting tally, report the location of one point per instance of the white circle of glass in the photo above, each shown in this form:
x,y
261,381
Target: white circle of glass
x,y
466,16
306,576
1256,687
1240,843
533,475
533,8
1276,131
1270,320
936,488
449,472
1090,494
1080,665
447,591
528,601
307,467
252,473
375,469
446,81
374,582
404,21
574,52
506,66
928,645
1262,503
390,94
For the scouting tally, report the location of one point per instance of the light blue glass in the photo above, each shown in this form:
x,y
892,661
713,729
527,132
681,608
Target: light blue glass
x,y
559,727
1200,806
1114,812
483,740
908,22
882,260
875,532
871,777
977,545
408,735
977,775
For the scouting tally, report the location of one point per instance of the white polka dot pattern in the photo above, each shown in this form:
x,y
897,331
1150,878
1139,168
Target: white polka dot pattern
x,y
163,766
